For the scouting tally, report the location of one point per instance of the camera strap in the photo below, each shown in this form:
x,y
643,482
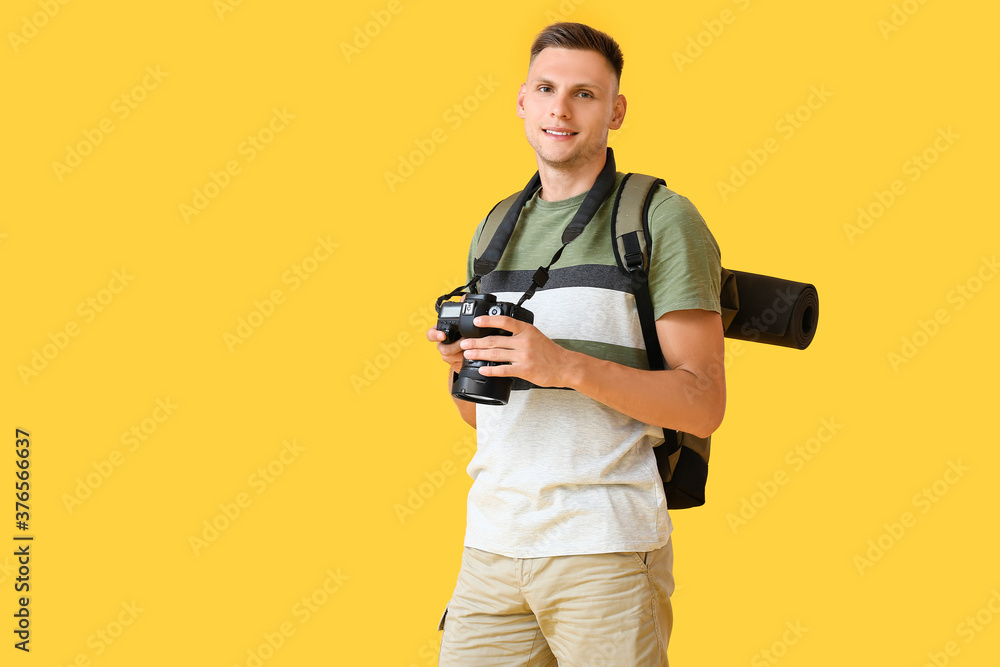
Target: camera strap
x,y
500,235
488,258
595,197
471,286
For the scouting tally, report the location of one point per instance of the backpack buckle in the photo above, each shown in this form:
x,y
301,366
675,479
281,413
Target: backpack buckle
x,y
633,261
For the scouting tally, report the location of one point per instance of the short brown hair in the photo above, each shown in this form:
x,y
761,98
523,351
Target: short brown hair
x,y
583,38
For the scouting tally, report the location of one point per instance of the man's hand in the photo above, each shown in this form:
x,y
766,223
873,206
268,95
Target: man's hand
x,y
531,355
690,397
451,353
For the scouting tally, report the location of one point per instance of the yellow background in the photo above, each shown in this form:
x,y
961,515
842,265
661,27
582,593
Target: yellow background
x,y
340,366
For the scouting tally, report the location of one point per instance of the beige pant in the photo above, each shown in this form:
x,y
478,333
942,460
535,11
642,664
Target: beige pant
x,y
596,609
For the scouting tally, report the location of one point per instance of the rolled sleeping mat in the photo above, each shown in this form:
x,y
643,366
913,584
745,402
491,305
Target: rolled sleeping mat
x,y
770,310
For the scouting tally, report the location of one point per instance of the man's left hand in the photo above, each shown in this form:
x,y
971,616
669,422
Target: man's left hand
x,y
530,354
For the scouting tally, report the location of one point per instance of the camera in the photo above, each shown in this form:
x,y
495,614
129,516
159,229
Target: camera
x,y
455,320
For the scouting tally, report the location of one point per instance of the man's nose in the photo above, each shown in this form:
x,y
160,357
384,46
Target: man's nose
x,y
560,107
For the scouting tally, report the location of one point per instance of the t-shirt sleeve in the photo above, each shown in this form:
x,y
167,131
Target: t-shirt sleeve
x,y
686,268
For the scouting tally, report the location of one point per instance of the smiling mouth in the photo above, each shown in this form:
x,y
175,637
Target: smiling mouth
x,y
558,133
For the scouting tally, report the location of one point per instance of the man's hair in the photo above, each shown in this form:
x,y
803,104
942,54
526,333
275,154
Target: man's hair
x,y
582,38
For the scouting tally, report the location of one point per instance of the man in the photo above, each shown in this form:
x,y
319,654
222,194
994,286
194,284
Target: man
x,y
567,550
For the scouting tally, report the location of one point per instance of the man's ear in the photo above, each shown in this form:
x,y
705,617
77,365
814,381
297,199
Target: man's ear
x,y
520,100
618,113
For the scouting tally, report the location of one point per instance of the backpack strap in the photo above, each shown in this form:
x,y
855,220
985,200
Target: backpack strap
x,y
499,227
629,227
683,470
631,242
500,222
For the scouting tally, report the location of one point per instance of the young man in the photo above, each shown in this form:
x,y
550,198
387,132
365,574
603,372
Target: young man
x,y
567,550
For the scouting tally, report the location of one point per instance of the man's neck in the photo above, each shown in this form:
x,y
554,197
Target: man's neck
x,y
559,184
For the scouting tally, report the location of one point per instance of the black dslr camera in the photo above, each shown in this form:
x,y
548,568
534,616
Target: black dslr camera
x,y
455,320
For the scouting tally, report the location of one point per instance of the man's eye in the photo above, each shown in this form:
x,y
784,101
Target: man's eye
x,y
544,89
584,93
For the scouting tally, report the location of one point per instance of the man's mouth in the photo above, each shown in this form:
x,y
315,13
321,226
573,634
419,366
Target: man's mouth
x,y
560,133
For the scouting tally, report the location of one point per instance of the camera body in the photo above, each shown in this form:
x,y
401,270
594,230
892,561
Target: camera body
x,y
455,319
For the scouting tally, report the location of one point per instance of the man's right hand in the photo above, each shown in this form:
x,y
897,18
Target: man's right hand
x,y
451,353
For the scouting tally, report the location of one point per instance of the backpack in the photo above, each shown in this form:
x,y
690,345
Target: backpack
x,y
682,458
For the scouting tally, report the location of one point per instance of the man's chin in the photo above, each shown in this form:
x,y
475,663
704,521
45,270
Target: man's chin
x,y
560,164
569,162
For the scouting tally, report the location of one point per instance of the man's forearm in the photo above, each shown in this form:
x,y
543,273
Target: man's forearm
x,y
690,398
466,409
676,399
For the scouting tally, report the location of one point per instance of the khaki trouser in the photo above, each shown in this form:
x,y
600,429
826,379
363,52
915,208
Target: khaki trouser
x,y
595,609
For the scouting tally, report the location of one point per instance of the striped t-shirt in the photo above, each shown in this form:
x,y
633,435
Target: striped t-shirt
x,y
555,472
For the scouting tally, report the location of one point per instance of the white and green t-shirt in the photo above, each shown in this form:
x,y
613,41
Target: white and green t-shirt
x,y
555,472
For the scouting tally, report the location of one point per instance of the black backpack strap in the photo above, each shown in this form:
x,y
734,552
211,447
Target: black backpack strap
x,y
644,304
631,242
682,469
499,227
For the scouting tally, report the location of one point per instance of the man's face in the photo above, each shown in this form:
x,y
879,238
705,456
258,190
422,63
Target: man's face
x,y
568,104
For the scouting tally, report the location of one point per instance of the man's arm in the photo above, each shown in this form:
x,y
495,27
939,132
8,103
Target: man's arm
x,y
451,354
690,397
